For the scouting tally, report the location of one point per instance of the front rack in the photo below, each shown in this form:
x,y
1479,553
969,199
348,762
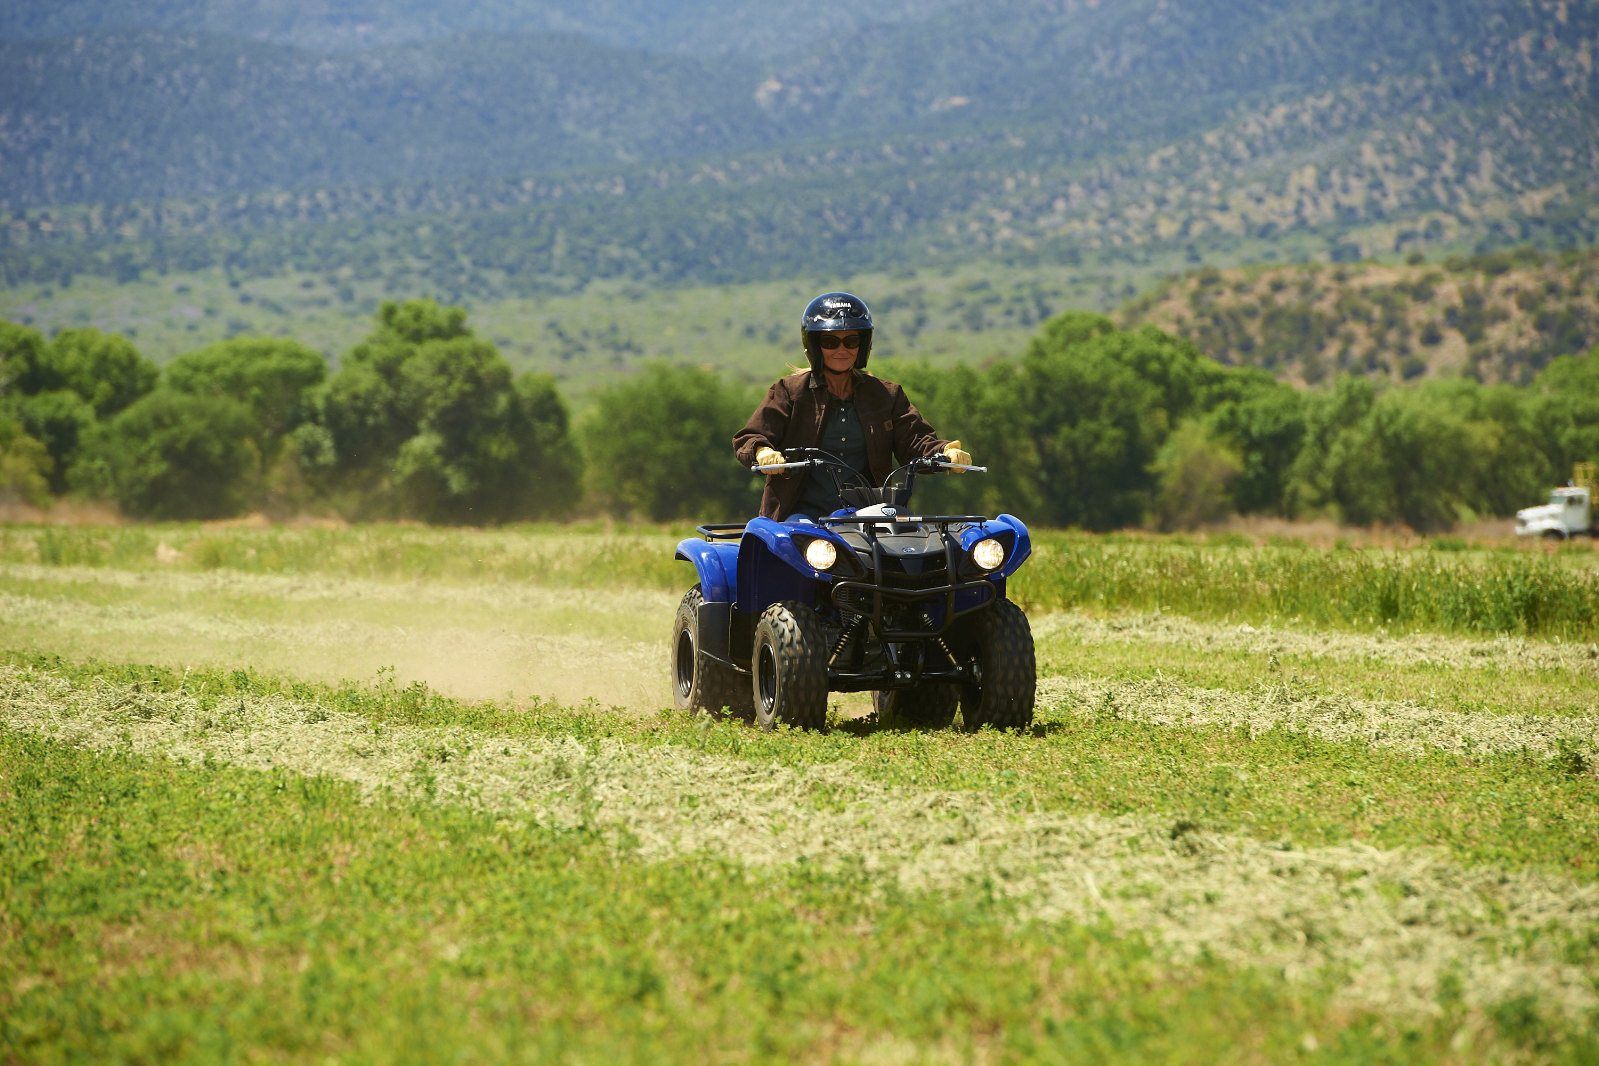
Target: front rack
x,y
735,530
721,531
902,520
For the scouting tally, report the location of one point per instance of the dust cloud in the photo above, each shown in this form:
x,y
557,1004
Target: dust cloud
x,y
488,642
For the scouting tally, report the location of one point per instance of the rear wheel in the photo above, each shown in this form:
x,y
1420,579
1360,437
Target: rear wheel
x,y
700,683
1001,641
789,665
1553,534
930,705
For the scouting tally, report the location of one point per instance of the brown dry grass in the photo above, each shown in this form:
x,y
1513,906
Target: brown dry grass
x,y
60,513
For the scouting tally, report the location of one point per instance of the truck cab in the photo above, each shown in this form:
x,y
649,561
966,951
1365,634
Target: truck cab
x,y
1568,513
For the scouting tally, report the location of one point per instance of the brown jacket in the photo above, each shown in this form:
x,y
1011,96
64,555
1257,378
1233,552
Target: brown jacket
x,y
791,416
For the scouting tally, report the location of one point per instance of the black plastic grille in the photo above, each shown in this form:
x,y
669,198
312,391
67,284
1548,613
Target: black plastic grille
x,y
914,572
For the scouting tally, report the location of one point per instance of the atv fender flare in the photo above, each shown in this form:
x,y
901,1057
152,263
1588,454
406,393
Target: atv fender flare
x,y
717,566
1009,531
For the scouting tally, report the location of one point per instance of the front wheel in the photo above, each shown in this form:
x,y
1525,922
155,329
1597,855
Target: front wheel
x,y
789,665
1001,641
700,682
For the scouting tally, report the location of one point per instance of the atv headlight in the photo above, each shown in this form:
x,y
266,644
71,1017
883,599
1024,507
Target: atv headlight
x,y
988,553
821,554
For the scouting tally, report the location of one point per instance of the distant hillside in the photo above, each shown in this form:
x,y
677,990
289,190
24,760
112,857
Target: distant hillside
x,y
1136,135
148,117
1337,176
1499,317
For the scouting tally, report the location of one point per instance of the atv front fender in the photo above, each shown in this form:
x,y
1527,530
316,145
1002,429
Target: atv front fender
x,y
1009,531
772,567
717,565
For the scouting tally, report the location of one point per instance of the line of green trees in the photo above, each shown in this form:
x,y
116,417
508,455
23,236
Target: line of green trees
x,y
1091,426
421,420
1103,428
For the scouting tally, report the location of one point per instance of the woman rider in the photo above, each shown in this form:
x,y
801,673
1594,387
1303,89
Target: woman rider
x,y
835,405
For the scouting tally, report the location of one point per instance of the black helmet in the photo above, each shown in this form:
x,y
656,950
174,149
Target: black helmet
x,y
834,312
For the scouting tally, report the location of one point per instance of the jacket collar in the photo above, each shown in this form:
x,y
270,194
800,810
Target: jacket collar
x,y
865,394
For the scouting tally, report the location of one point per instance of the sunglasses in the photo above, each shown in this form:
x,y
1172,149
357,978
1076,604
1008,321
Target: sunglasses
x,y
828,341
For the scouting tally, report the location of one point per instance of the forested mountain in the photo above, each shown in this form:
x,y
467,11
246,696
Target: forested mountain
x,y
148,116
118,117
1031,132
1499,317
1166,65
1334,176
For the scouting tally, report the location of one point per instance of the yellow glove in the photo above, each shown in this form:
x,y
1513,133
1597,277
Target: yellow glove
x,y
768,457
953,452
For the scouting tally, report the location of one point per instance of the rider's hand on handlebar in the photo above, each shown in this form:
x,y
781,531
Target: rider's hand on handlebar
x,y
769,457
956,456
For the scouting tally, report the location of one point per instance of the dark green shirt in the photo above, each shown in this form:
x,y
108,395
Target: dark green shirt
x,y
843,435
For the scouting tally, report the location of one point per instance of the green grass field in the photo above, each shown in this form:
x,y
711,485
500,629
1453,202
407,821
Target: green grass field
x,y
398,793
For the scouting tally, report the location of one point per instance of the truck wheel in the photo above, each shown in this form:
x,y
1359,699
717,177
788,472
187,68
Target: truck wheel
x,y
931,705
790,668
1553,534
1002,642
700,682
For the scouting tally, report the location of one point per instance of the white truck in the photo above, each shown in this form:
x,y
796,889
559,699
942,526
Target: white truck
x,y
1568,513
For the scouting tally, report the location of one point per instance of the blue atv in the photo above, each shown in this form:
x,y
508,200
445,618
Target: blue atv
x,y
871,598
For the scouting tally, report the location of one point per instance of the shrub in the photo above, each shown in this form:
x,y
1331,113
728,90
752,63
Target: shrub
x,y
172,456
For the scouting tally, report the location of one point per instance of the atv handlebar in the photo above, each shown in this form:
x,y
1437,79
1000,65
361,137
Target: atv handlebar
x,y
927,464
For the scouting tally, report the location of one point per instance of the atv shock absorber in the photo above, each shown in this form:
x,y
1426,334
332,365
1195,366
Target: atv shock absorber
x,y
846,638
938,640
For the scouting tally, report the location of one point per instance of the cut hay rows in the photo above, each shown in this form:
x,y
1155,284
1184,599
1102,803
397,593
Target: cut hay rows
x,y
493,659
1389,927
1514,653
1430,649
1406,727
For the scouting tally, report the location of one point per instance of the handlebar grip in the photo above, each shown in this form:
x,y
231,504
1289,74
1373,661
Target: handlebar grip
x,y
780,466
938,462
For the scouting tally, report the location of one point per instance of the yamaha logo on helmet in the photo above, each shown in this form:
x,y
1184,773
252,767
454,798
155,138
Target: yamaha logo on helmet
x,y
838,307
